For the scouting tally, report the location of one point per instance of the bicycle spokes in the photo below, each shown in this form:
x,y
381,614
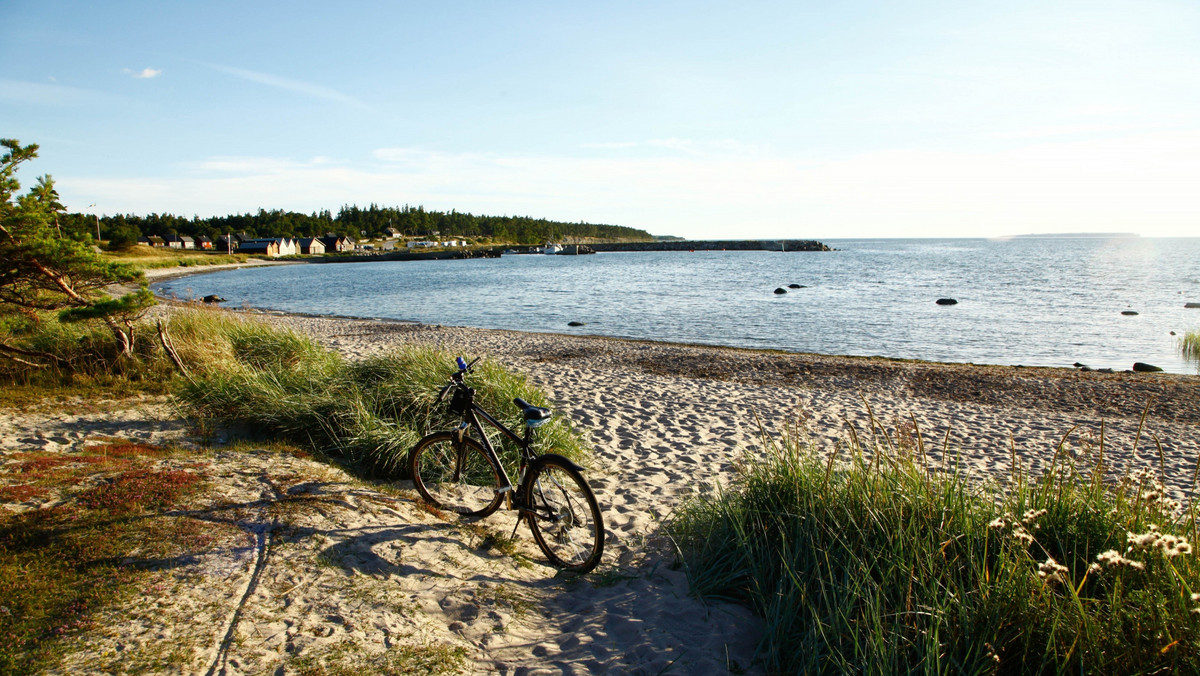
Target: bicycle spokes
x,y
562,518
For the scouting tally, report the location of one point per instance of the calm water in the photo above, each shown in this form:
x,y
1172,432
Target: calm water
x,y
1032,301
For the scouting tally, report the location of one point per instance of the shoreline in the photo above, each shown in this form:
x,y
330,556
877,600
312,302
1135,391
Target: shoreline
x,y
164,274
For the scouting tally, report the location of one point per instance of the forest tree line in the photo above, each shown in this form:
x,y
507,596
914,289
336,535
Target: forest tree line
x,y
370,222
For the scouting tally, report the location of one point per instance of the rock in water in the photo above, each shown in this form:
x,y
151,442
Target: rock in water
x,y
1129,313
213,299
780,290
947,301
1192,306
1145,368
797,286
575,324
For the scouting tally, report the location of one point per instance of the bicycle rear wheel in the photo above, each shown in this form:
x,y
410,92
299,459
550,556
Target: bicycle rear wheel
x,y
455,476
564,516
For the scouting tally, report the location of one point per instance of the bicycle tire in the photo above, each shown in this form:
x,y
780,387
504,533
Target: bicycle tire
x,y
432,464
564,516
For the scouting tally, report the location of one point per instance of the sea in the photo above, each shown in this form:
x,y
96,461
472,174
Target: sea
x,y
1104,302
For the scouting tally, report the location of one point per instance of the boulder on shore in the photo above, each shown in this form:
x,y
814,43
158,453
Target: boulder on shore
x,y
213,299
1141,367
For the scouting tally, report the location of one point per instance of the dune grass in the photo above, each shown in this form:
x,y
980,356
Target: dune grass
x,y
274,383
278,384
1189,345
875,562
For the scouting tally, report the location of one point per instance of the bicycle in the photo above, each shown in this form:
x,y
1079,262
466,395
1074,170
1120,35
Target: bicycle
x,y
460,472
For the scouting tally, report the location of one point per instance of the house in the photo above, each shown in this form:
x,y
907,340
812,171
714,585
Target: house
x,y
203,242
155,240
311,246
284,246
287,246
335,243
173,241
266,247
227,243
393,232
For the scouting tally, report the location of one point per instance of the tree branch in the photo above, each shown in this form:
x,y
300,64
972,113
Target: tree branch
x,y
10,352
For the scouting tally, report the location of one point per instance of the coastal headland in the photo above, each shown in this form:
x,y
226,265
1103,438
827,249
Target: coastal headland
x,y
716,245
785,245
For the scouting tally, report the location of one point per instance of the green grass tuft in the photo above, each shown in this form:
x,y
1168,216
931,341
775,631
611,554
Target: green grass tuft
x,y
1189,345
884,565
281,385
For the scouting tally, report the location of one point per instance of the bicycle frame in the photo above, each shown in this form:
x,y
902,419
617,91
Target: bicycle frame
x,y
471,420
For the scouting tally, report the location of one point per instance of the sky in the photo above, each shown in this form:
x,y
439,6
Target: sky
x,y
748,119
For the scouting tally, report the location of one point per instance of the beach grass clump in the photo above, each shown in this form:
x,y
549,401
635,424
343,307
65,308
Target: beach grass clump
x,y
1189,345
877,563
275,383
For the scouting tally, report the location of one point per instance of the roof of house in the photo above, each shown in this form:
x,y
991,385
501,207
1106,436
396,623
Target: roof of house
x,y
258,244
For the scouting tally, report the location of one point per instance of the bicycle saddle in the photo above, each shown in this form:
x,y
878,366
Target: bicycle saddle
x,y
532,412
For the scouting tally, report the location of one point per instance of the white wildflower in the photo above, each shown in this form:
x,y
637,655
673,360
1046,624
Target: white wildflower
x,y
1033,515
1052,571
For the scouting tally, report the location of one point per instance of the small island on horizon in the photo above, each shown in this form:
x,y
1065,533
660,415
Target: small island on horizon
x,y
1088,235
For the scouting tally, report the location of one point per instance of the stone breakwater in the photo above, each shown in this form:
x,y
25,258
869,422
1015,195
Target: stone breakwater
x,y
717,245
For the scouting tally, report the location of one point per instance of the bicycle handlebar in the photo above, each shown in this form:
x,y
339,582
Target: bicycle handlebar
x,y
456,379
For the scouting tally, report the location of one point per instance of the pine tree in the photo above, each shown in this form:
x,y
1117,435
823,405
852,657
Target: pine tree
x,y
42,270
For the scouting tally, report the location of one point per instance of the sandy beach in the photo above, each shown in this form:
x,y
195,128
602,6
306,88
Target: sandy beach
x,y
313,564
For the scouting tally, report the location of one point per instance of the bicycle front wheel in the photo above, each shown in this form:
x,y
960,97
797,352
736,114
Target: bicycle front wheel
x,y
564,516
457,476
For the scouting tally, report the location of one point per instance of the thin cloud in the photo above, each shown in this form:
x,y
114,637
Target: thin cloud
x,y
144,74
294,86
679,145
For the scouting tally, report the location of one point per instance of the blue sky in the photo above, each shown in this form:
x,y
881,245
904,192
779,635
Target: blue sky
x,y
748,119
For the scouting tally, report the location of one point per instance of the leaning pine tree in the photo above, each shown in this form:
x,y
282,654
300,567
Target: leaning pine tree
x,y
42,270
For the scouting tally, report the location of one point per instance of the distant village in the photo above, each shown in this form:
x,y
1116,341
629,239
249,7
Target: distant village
x,y
288,246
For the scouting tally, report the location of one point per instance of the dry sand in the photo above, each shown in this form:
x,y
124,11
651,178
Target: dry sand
x,y
315,565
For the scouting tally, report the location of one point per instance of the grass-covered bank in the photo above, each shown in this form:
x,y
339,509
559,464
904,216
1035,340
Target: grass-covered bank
x,y
875,563
279,384
271,383
145,257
